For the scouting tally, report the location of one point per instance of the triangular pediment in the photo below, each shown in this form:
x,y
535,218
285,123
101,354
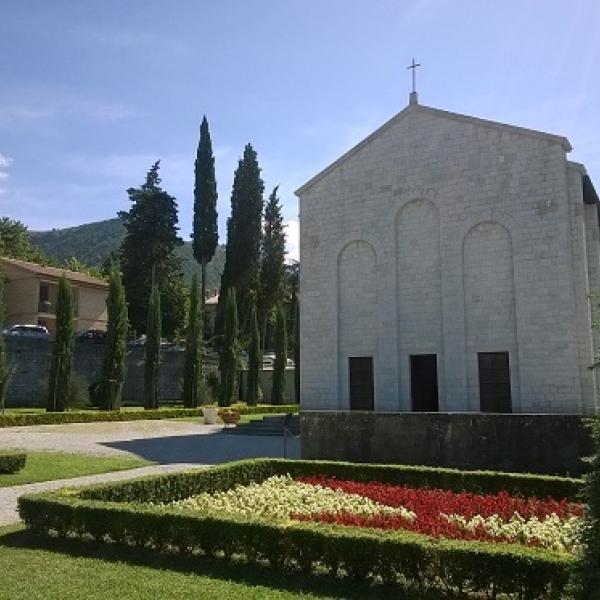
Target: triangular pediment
x,y
414,109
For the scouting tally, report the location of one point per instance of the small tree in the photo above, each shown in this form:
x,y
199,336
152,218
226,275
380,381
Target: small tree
x,y
297,352
280,364
228,363
115,354
586,576
192,374
152,363
254,360
5,370
62,351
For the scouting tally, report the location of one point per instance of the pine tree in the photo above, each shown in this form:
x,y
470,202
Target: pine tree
x,y
62,350
228,363
586,575
5,370
206,233
152,362
272,270
254,360
148,248
115,353
278,392
192,374
242,254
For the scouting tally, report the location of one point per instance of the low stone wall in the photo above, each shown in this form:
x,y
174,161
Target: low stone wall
x,y
543,443
30,361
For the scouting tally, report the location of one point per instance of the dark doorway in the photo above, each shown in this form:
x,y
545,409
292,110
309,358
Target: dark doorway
x,y
494,382
424,382
361,383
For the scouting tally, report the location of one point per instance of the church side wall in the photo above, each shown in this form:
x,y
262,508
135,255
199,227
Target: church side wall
x,y
417,194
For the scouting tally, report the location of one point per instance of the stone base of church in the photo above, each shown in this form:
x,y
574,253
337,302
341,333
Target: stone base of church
x,y
535,443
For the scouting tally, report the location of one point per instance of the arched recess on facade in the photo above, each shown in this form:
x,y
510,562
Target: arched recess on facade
x,y
489,303
357,308
418,289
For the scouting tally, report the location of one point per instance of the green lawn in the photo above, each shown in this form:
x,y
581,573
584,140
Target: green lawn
x,y
46,466
33,568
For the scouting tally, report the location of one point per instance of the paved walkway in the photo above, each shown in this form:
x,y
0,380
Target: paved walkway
x,y
174,445
9,495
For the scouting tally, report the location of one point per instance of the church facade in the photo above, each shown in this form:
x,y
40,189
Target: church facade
x,y
447,264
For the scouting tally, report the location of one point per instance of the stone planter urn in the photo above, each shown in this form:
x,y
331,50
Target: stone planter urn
x,y
210,415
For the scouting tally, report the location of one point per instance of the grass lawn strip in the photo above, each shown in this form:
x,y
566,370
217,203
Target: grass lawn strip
x,y
36,568
48,466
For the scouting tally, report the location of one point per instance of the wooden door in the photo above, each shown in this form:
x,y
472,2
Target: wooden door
x,y
424,382
361,383
494,382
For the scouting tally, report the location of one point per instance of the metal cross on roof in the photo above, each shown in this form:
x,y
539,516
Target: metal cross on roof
x,y
414,74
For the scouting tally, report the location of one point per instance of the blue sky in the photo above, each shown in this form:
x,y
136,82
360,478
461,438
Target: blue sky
x,y
91,93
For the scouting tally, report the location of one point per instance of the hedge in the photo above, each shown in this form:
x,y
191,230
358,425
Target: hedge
x,y
89,416
175,486
12,462
122,513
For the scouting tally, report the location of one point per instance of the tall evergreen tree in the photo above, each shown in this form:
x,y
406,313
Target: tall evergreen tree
x,y
278,391
272,269
152,362
254,360
585,582
62,349
242,254
5,370
206,233
148,248
114,364
228,363
297,352
192,374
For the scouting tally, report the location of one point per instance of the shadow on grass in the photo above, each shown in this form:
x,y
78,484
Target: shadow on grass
x,y
212,568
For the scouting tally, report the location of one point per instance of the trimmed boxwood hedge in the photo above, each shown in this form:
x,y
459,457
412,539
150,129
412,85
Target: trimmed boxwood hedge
x,y
90,416
12,462
122,513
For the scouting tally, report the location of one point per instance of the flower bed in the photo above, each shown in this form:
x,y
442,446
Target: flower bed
x,y
549,523
214,511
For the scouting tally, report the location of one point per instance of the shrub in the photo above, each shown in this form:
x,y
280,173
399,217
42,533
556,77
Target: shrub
x,y
89,416
12,462
116,513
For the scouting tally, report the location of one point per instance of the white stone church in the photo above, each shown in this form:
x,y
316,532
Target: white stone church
x,y
447,264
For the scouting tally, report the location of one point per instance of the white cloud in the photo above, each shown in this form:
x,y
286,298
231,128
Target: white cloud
x,y
5,163
292,231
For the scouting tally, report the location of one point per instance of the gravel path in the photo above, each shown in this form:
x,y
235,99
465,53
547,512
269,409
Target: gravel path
x,y
174,445
9,495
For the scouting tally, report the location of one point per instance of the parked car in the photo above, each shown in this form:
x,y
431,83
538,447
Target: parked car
x,y
92,335
26,330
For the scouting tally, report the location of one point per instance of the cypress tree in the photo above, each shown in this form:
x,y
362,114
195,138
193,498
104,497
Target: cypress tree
x,y
192,374
297,352
115,353
205,231
585,584
244,233
5,370
254,360
272,270
229,357
152,362
278,392
62,350
147,253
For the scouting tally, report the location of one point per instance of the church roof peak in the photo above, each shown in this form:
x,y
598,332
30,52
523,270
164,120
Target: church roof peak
x,y
414,106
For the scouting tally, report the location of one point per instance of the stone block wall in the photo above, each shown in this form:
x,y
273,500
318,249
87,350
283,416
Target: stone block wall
x,y
30,359
552,444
